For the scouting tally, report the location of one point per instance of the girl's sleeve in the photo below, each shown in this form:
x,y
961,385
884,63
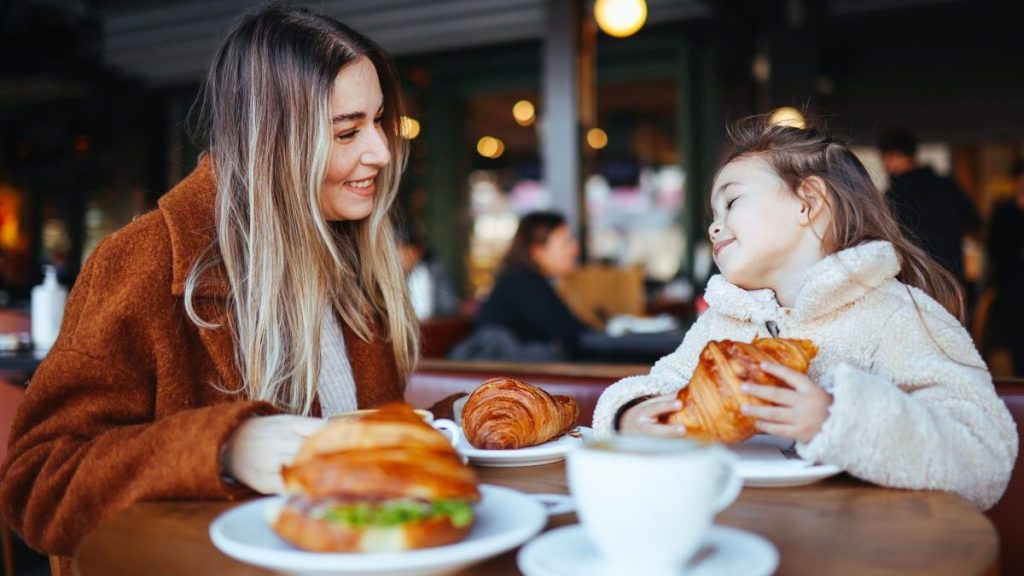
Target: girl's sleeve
x,y
936,424
670,374
87,441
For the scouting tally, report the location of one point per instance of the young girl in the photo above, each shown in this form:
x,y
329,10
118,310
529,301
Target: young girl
x,y
203,341
807,248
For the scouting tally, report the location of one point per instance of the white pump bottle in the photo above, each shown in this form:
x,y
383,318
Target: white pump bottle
x,y
47,309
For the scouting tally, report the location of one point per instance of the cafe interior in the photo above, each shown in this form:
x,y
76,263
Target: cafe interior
x,y
611,114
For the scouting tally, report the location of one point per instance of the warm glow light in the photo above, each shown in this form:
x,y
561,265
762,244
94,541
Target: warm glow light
x,y
490,147
787,116
410,128
620,18
597,138
524,113
82,143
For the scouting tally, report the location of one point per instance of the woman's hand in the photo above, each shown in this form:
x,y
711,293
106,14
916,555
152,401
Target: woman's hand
x,y
799,410
259,447
643,418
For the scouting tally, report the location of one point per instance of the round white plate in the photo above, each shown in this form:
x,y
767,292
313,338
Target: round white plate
x,y
505,518
567,551
532,456
769,462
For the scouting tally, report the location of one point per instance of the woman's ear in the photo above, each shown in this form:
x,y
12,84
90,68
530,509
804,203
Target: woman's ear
x,y
811,193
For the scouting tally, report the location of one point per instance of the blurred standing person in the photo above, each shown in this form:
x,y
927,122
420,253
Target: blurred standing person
x,y
1006,263
932,209
207,339
524,318
430,287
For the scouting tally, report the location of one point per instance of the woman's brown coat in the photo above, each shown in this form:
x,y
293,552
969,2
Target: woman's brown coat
x,y
128,404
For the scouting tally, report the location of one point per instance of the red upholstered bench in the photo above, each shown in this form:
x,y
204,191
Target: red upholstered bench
x,y
437,379
1008,514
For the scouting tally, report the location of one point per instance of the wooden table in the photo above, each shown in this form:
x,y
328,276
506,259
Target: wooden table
x,y
839,526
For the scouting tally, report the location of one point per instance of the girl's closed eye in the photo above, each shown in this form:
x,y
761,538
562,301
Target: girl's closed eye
x,y
729,204
346,136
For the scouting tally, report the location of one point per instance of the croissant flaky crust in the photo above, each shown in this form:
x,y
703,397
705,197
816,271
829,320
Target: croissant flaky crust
x,y
711,401
505,414
388,453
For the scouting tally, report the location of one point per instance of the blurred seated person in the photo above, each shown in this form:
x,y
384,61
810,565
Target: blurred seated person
x,y
932,209
1006,261
524,319
430,287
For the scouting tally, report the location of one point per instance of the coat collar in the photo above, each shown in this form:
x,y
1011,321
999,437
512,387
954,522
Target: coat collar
x,y
836,281
188,210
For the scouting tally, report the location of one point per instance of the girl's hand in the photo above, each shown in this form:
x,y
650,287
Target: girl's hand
x,y
800,409
643,418
259,447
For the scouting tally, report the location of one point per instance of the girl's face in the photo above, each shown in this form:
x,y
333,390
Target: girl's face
x,y
557,256
359,148
757,229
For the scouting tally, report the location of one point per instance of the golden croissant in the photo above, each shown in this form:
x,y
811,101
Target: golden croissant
x,y
711,401
504,414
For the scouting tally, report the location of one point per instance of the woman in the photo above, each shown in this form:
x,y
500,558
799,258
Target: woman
x,y
523,310
201,342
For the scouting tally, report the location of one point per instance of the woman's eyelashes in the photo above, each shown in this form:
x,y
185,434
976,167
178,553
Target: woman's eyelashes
x,y
728,205
350,134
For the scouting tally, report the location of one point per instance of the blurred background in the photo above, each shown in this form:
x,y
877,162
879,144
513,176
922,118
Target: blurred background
x,y
513,106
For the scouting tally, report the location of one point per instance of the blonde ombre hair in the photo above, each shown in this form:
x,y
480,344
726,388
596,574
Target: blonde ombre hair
x,y
264,117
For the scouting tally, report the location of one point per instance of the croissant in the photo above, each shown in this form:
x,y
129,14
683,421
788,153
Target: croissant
x,y
711,402
504,414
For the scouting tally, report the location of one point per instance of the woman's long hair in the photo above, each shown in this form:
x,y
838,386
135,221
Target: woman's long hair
x,y
859,212
534,229
264,117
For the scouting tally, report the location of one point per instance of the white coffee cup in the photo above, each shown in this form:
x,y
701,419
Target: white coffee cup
x,y
647,503
445,426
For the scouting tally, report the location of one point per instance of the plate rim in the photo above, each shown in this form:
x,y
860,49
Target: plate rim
x,y
379,563
523,554
549,448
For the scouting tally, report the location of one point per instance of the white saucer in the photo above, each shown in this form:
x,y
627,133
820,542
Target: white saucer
x,y
546,453
770,462
567,551
505,518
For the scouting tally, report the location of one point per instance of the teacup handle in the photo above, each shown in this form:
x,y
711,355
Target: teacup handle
x,y
730,489
451,430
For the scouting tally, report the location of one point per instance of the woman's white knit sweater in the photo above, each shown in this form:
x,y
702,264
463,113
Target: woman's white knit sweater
x,y
913,403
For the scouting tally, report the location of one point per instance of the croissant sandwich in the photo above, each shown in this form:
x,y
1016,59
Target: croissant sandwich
x,y
504,414
711,401
383,481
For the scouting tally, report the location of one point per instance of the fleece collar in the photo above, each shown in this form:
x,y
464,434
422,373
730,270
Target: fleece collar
x,y
836,281
188,210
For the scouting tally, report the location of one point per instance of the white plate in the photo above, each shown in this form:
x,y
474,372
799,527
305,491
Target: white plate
x,y
505,518
768,462
567,551
548,452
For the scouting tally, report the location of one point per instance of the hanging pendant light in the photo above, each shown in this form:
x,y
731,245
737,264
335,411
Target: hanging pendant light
x,y
620,18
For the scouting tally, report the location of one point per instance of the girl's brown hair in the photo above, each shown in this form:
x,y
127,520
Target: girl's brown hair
x,y
859,212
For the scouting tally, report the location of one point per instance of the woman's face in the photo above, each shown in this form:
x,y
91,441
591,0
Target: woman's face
x,y
557,256
359,149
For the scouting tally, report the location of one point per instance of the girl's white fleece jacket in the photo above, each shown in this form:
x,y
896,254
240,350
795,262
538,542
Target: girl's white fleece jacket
x,y
913,403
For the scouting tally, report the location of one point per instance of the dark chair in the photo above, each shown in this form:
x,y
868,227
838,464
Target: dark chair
x,y
1008,514
438,335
